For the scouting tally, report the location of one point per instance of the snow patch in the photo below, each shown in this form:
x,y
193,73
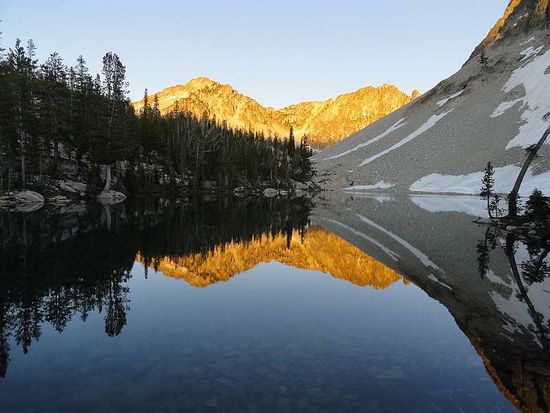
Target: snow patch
x,y
425,127
399,124
535,101
504,106
505,177
444,101
527,41
362,188
531,51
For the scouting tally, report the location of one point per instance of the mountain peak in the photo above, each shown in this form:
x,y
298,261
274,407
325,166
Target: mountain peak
x,y
324,122
201,82
519,15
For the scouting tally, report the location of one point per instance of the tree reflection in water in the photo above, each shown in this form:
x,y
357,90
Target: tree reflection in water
x,y
55,267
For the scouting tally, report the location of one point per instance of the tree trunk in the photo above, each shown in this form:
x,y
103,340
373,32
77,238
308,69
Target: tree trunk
x,y
108,179
513,197
9,177
23,177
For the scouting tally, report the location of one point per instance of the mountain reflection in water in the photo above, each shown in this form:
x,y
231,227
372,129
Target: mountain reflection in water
x,y
57,269
311,249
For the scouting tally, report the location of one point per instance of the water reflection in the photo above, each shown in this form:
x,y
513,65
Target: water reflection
x,y
496,285
311,248
60,268
56,267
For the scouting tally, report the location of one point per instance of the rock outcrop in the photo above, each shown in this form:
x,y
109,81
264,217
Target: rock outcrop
x,y
324,122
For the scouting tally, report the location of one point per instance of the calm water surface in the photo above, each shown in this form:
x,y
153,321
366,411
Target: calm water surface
x,y
262,306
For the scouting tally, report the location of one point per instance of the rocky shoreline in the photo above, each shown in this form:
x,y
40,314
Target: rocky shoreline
x,y
65,196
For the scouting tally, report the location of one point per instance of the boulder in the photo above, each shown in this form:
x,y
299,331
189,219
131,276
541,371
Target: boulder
x,y
24,201
72,187
111,197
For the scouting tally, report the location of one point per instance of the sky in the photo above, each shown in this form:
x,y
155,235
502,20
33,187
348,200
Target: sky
x,y
277,52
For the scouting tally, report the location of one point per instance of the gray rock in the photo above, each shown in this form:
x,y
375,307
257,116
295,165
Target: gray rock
x,y
111,197
23,201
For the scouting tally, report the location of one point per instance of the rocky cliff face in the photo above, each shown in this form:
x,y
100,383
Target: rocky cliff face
x,y
520,15
492,109
323,122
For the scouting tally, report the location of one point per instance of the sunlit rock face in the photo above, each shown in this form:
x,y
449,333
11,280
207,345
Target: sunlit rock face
x,y
519,15
316,249
324,122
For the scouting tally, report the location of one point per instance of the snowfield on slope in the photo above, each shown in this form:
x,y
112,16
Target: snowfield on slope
x,y
363,188
399,124
443,102
505,178
536,103
430,123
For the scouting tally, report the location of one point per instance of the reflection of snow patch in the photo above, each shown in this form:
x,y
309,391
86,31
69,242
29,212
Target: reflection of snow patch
x,y
360,188
444,101
387,251
400,123
505,178
434,279
495,279
430,123
420,255
470,205
515,306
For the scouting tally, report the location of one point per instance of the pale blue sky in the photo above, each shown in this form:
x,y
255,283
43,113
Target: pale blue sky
x,y
278,52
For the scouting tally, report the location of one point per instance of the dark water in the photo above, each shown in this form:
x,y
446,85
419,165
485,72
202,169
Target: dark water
x,y
346,305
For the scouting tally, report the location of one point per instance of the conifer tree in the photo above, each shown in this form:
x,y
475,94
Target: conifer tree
x,y
114,140
487,186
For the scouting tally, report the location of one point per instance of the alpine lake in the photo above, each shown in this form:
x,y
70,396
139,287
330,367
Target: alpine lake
x,y
333,304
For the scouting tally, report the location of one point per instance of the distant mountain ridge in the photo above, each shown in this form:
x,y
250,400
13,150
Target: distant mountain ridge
x,y
324,122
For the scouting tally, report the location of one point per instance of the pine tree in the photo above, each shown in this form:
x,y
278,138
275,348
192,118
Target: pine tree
x,y
487,185
116,145
53,108
538,206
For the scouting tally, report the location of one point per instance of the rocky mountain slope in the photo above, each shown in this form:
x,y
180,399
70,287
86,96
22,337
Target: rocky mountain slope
x,y
323,122
492,109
